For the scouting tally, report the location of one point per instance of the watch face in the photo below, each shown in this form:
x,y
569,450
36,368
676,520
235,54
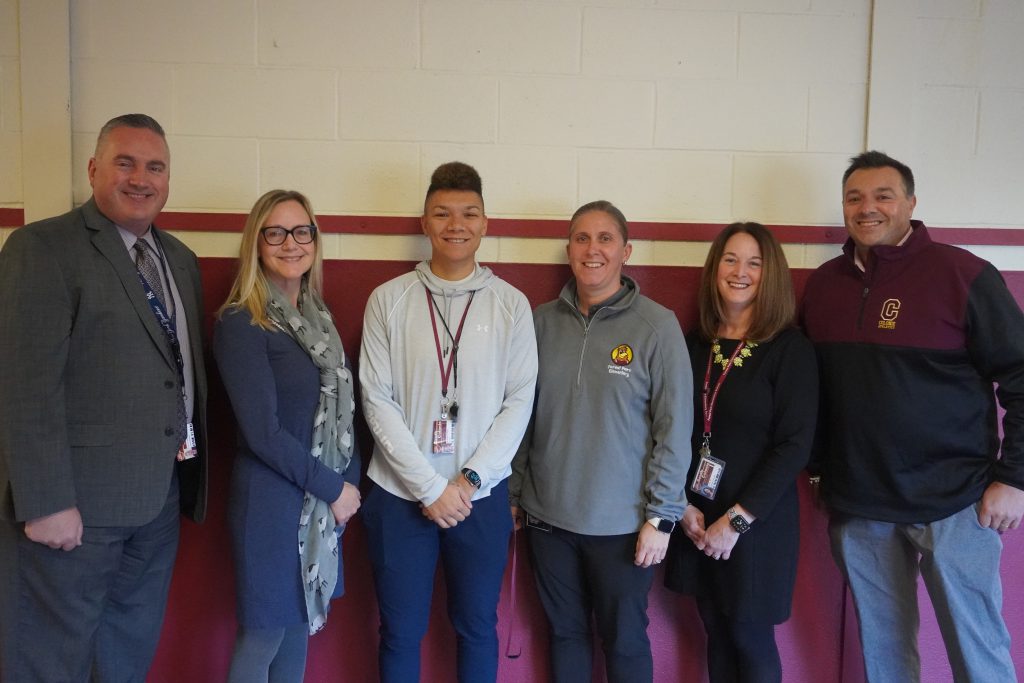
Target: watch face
x,y
666,526
472,477
739,524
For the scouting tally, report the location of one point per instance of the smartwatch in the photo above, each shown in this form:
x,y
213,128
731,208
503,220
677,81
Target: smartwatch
x,y
472,477
738,522
663,525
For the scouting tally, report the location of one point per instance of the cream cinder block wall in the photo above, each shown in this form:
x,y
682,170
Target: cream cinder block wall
x,y
948,91
10,106
680,111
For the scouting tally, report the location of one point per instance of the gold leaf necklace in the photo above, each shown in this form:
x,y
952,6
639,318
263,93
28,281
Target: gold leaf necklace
x,y
745,352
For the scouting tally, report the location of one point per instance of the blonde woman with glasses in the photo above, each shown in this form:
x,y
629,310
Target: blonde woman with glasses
x,y
294,483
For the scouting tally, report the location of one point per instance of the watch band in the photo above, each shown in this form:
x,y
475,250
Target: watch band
x,y
738,522
663,525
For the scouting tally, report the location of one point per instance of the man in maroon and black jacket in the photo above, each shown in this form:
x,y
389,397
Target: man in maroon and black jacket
x,y
911,338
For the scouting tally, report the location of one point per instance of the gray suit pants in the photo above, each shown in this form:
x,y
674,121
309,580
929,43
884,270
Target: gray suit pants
x,y
93,613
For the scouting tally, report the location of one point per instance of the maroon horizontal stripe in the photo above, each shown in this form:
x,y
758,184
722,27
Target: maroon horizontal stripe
x,y
554,229
500,227
10,218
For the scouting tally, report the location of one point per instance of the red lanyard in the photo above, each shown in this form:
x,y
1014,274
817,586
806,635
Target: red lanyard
x,y
446,373
709,402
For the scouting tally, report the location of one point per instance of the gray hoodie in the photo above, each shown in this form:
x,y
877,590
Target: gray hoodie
x,y
401,379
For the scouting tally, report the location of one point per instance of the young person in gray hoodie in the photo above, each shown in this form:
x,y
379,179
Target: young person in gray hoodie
x,y
600,477
448,370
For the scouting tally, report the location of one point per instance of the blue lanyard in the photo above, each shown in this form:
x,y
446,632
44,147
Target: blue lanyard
x,y
166,323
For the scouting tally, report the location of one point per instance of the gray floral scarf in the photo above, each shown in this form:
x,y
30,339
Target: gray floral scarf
x,y
312,327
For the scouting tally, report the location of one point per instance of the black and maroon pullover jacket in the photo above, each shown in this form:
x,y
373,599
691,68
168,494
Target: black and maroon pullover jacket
x,y
908,354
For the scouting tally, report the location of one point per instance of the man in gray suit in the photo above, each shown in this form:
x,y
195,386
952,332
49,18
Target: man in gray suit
x,y
102,407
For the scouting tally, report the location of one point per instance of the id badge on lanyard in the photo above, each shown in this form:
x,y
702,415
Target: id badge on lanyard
x,y
709,472
709,468
444,429
188,449
443,441
444,436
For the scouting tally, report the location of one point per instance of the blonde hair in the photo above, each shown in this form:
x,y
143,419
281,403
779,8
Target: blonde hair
x,y
250,290
774,305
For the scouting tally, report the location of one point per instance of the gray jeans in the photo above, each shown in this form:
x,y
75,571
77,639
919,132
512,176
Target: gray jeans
x,y
959,562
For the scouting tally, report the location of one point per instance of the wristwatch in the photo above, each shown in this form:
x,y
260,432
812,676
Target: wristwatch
x,y
472,477
738,522
663,525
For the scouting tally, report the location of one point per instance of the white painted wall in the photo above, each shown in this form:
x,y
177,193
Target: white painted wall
x,y
677,110
10,105
948,94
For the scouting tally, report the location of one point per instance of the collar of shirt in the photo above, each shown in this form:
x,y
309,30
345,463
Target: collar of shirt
x,y
856,257
130,238
615,298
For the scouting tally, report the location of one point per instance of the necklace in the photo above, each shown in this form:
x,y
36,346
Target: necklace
x,y
745,351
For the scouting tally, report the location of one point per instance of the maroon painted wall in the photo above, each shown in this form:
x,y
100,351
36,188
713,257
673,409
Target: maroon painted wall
x,y
817,644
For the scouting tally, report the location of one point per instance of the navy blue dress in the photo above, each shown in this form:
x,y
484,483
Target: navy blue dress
x,y
274,389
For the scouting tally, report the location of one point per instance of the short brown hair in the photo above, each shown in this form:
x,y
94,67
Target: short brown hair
x,y
774,305
454,175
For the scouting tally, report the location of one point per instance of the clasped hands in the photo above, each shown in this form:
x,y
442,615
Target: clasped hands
x,y
346,504
452,506
716,541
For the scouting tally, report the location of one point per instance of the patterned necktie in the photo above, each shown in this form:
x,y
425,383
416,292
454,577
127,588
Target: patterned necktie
x,y
146,264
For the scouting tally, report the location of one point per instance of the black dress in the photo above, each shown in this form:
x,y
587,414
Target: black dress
x,y
763,428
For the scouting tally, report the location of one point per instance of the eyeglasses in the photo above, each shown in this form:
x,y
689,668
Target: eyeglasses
x,y
275,235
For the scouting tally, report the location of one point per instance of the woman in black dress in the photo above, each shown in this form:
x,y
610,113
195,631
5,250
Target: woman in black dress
x,y
756,397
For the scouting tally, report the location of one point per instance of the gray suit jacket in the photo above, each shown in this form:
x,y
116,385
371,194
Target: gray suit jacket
x,y
88,383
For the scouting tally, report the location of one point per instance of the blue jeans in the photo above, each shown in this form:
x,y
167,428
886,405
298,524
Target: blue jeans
x,y
404,547
959,562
